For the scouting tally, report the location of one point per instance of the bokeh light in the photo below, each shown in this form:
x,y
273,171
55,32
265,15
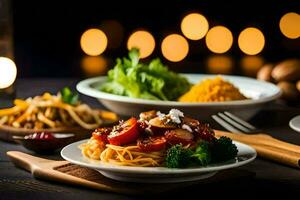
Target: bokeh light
x,y
289,25
8,72
94,65
142,40
251,41
194,26
219,39
251,64
174,47
114,32
220,64
93,42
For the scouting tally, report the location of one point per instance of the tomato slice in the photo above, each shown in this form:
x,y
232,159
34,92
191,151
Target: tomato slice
x,y
178,136
101,134
124,133
152,143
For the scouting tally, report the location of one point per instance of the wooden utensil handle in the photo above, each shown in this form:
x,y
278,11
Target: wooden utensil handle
x,y
285,145
24,160
278,155
260,139
268,147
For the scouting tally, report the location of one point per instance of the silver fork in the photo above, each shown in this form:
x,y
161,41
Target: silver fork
x,y
234,124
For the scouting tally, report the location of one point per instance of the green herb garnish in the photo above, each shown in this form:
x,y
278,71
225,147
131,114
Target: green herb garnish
x,y
69,97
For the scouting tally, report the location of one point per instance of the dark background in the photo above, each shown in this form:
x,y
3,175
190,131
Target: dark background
x,y
47,33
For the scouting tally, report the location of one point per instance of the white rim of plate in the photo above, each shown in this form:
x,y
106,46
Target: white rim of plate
x,y
293,121
98,165
85,88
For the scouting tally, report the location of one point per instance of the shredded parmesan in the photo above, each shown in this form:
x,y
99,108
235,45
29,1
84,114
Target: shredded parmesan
x,y
160,115
187,127
175,115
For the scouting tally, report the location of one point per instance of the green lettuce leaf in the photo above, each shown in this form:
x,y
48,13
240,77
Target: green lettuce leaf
x,y
152,81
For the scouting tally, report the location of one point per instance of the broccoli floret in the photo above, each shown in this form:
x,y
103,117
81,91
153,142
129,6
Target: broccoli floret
x,y
202,154
223,149
178,157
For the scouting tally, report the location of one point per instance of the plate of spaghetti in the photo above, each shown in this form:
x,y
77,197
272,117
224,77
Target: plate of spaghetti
x,y
158,148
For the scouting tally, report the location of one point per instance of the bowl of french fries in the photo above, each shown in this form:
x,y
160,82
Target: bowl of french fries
x,y
61,113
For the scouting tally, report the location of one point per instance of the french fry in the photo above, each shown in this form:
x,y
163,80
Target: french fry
x,y
45,120
9,111
11,119
33,117
50,111
3,120
47,96
28,125
25,115
64,116
21,103
38,125
108,115
16,124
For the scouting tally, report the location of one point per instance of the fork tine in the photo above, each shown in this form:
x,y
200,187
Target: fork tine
x,y
225,124
239,120
234,123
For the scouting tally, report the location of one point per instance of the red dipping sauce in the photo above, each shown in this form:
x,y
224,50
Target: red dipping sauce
x,y
40,136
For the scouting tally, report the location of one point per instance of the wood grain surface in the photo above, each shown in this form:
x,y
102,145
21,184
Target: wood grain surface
x,y
65,172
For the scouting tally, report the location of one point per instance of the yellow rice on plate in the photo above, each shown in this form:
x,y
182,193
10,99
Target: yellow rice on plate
x,y
212,90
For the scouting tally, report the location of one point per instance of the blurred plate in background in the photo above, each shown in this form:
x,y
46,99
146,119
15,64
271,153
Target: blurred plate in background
x,y
295,123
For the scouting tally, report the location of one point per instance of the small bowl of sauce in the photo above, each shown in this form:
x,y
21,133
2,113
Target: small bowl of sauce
x,y
45,142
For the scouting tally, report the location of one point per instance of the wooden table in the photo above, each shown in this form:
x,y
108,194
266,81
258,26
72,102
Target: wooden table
x,y
270,178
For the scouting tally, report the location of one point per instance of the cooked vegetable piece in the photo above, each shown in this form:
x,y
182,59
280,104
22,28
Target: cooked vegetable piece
x,y
192,123
124,133
178,157
148,115
202,154
152,143
204,132
179,136
157,122
101,134
223,149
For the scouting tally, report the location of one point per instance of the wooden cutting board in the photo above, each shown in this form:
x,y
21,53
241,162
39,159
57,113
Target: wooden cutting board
x,y
65,172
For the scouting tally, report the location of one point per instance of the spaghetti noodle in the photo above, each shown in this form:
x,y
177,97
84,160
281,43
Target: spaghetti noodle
x,y
121,155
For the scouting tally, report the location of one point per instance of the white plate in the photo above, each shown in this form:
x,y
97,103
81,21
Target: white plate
x,y
295,123
260,93
156,174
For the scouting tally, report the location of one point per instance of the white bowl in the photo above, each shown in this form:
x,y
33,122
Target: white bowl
x,y
259,92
